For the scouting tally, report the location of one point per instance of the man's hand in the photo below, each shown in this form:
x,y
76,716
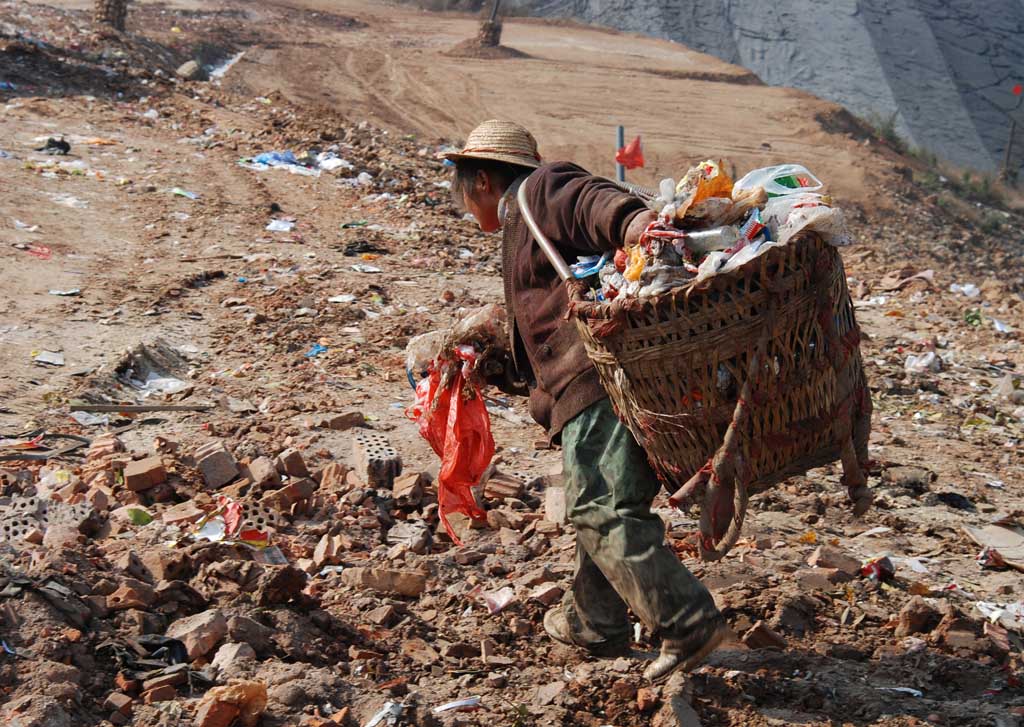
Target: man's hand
x,y
637,226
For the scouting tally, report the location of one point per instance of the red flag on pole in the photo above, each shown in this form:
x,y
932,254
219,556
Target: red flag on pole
x,y
631,155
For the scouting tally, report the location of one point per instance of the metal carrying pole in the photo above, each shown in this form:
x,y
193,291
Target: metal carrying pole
x,y
1008,157
620,171
494,10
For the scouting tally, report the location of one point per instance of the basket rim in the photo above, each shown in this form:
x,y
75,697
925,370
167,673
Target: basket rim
x,y
582,308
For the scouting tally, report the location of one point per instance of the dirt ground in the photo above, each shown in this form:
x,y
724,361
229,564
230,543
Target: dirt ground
x,y
242,307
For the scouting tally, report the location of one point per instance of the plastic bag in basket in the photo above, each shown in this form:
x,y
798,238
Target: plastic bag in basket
x,y
454,420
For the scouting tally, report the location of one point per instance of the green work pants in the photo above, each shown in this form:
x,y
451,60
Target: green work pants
x,y
622,559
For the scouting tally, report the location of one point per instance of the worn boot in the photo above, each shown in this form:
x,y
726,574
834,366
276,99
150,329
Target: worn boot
x,y
687,654
557,626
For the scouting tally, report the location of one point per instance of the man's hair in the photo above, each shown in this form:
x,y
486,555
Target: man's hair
x,y
501,173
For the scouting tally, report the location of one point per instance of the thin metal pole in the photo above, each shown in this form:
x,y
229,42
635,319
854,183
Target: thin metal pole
x,y
620,171
494,10
1009,150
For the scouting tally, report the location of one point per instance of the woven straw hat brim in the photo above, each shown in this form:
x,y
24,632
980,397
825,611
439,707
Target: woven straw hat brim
x,y
502,141
520,159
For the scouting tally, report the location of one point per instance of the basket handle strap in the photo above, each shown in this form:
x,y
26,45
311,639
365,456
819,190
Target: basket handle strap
x,y
556,260
723,475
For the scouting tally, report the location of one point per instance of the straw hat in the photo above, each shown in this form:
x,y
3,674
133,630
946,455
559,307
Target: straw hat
x,y
503,141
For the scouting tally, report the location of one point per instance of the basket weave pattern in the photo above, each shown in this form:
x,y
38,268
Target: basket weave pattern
x,y
739,382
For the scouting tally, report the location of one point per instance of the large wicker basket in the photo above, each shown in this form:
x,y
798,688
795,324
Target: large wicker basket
x,y
739,382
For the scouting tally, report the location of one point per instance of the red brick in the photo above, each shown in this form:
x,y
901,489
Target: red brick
x,y
164,693
119,702
144,473
291,463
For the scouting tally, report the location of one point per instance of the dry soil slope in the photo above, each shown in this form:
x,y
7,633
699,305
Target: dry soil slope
x,y
576,86
944,67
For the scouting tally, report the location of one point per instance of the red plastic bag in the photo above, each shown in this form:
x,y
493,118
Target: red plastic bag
x,y
455,421
631,156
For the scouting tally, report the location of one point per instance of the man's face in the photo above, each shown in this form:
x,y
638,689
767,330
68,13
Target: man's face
x,y
481,199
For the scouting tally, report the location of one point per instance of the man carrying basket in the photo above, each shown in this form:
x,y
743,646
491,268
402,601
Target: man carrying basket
x,y
622,560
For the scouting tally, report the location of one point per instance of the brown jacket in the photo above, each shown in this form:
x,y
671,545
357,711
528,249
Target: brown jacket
x,y
582,215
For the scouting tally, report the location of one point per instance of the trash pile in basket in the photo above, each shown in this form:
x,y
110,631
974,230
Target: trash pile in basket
x,y
709,225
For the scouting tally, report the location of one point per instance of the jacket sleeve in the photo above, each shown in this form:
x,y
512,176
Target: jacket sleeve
x,y
578,211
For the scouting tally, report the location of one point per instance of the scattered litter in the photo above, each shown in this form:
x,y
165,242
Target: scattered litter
x,y
220,70
25,227
281,160
316,350
902,690
360,268
179,192
1009,616
68,292
52,358
354,224
154,383
955,500
878,569
968,290
70,201
55,147
1006,540
875,531
1001,327
468,704
90,420
40,251
281,225
360,247
499,600
344,298
926,362
390,712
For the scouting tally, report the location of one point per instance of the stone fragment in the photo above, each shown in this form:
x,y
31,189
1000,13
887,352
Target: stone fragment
x,y
547,693
468,556
263,473
496,680
145,473
384,580
332,478
547,594
760,636
646,699
500,486
173,679
229,656
182,514
159,694
413,534
245,630
917,617
133,594
164,564
408,489
342,422
216,464
291,463
385,616
420,651
377,463
554,505
247,698
119,702
190,71
328,550
826,556
200,633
